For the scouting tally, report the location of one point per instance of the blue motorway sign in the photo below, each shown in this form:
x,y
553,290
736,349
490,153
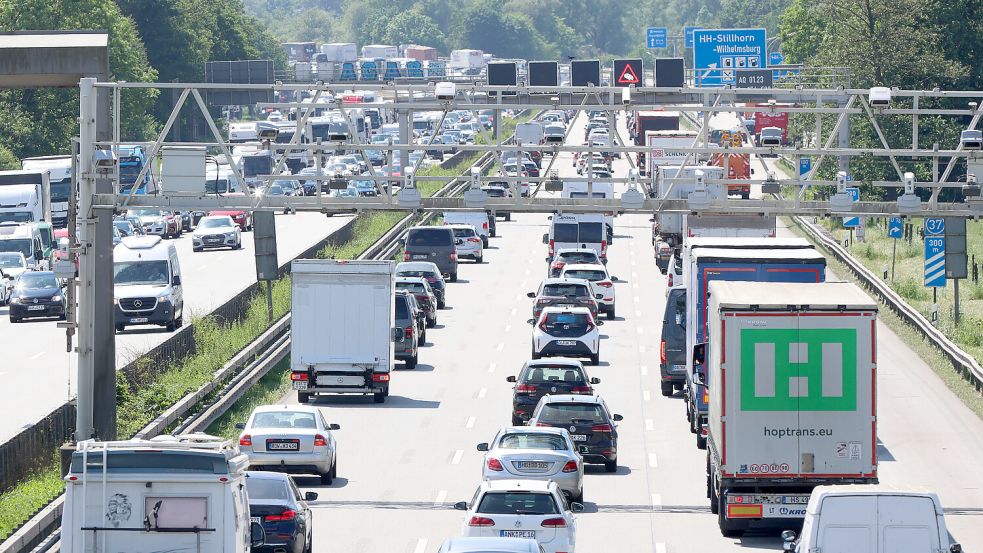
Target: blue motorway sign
x,y
805,165
657,37
719,53
775,58
853,222
414,69
935,252
688,36
348,72
895,227
370,71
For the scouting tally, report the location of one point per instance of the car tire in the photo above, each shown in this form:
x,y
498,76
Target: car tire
x,y
484,241
701,442
303,397
667,389
171,326
379,398
508,216
14,319
411,363
454,277
423,337
441,304
610,313
120,327
536,355
611,466
579,498
517,421
326,478
432,323
195,249
595,359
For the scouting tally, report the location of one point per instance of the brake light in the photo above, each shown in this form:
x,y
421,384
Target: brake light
x,y
590,327
481,521
320,441
406,256
706,395
453,257
409,331
542,424
551,247
571,466
554,523
670,279
495,465
246,440
542,326
542,300
604,247
298,376
526,388
289,514
604,284
474,240
601,428
580,390
380,377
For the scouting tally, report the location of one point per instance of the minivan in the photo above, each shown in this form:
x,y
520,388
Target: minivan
x,y
672,350
147,283
577,230
433,244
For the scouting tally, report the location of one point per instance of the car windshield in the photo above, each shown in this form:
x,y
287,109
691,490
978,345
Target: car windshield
x,y
550,442
16,217
566,413
140,272
275,190
517,503
579,257
145,212
365,184
429,237
124,227
544,374
566,290
411,286
566,325
215,222
402,311
586,274
37,281
11,261
22,245
266,488
565,232
284,419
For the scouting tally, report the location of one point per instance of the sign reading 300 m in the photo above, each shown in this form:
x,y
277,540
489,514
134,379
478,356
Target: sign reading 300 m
x,y
799,369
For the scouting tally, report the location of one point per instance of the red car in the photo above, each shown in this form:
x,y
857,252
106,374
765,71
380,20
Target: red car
x,y
241,217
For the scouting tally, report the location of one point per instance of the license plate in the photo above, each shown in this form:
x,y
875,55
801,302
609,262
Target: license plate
x,y
138,320
566,342
517,534
35,308
299,385
282,446
256,519
213,240
533,465
340,380
678,368
420,256
578,437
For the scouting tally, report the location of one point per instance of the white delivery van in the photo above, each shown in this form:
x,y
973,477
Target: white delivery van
x,y
577,230
872,519
578,190
184,493
478,219
27,240
147,286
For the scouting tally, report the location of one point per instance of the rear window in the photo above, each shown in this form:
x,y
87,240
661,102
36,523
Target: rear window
x,y
676,308
494,192
430,237
566,413
411,286
566,232
402,311
585,274
591,232
575,323
566,290
264,488
513,503
560,373
533,441
463,232
284,419
579,257
419,274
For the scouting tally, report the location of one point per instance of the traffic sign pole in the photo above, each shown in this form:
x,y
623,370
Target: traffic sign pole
x,y
895,229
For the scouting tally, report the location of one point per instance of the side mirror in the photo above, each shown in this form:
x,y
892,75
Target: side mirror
x,y
546,239
401,242
595,380
955,548
461,506
617,418
788,540
176,280
240,426
334,426
510,379
599,322
700,353
482,446
614,278
530,321
651,219
530,294
577,507
700,378
310,496
257,536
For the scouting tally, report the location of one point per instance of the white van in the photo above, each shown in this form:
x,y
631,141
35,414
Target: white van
x,y
147,283
27,240
185,493
578,190
577,230
872,519
477,219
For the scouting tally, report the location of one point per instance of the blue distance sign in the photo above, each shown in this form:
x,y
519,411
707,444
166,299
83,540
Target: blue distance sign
x,y
895,227
688,35
935,252
805,165
657,37
775,58
719,53
852,222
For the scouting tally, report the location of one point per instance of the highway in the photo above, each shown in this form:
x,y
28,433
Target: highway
x,y
404,463
38,374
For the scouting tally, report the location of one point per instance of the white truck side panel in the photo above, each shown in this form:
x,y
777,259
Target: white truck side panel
x,y
672,187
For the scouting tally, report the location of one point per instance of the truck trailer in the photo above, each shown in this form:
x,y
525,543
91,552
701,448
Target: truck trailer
x,y
792,379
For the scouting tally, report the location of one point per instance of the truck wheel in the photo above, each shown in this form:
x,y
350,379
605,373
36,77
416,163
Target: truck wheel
x,y
667,389
508,216
411,363
689,417
701,442
728,528
484,241
379,397
303,397
611,314
746,195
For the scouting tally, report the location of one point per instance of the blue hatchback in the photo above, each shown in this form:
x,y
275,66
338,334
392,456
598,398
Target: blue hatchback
x,y
277,504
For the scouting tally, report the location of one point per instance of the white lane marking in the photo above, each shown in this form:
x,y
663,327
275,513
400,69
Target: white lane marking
x,y
640,330
644,369
421,545
501,346
36,355
457,456
632,262
634,286
656,500
653,460
641,349
649,425
514,311
491,367
470,423
441,496
482,392
508,328
646,396
660,547
634,275
638,313
528,270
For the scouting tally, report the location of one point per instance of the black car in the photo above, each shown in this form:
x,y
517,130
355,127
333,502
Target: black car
x,y
424,299
435,279
672,351
419,316
405,342
275,500
548,376
589,422
36,294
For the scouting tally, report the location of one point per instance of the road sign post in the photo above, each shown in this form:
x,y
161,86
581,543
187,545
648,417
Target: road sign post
x,y
935,252
895,229
656,37
955,257
717,53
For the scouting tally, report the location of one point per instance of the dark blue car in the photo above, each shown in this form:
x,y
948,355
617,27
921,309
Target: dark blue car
x,y
277,504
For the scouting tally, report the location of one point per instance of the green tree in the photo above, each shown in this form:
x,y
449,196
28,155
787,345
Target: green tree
x,y
8,161
483,26
412,27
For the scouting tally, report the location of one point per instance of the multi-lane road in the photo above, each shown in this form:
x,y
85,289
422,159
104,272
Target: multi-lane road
x,y
403,464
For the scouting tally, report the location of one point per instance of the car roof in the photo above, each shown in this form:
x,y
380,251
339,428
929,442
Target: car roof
x,y
486,544
561,280
570,398
417,266
574,250
583,267
534,430
268,475
459,226
554,361
417,280
276,408
518,485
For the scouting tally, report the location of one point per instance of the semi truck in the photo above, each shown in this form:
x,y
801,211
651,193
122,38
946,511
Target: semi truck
x,y
792,377
659,145
668,226
25,196
342,327
60,183
707,265
652,120
467,60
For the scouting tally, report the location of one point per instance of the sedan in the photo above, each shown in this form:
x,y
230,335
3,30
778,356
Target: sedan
x,y
539,453
592,426
601,283
290,438
558,375
277,504
36,294
429,271
216,231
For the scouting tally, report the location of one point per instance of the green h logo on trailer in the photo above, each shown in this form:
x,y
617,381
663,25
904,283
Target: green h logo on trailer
x,y
799,369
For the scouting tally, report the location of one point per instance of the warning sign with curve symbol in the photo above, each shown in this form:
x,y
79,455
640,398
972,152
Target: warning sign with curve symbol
x,y
627,72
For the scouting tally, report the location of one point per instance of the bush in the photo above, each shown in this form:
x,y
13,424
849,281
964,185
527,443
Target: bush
x,y
911,290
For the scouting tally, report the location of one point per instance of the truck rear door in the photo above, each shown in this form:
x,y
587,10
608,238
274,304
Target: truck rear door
x,y
847,524
907,524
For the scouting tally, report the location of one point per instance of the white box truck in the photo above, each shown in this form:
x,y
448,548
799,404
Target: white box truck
x,y
466,59
25,196
675,183
659,145
340,52
341,329
792,369
60,176
374,51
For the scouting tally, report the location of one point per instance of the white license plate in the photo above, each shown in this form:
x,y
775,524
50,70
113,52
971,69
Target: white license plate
x,y
138,320
533,465
678,368
578,437
420,256
518,534
340,380
35,308
282,446
566,342
299,385
256,519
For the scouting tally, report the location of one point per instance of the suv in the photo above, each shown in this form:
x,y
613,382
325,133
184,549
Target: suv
x,y
406,346
566,331
601,283
433,244
563,256
559,375
467,242
429,271
574,292
672,351
425,298
592,424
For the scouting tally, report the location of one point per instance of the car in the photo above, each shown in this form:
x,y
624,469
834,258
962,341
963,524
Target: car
x,y
566,332
533,509
433,244
277,504
563,256
216,231
429,271
480,220
159,222
405,343
467,242
574,292
663,253
490,545
124,227
425,297
290,438
672,349
242,218
419,315
12,265
601,283
674,272
534,453
36,294
117,236
364,187
593,426
134,221
496,192
557,375
310,186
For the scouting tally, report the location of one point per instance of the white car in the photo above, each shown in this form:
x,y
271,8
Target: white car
x,y
12,264
490,545
601,283
535,453
290,438
534,509
566,332
467,243
216,231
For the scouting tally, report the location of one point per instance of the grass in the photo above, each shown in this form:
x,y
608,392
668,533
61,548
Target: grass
x,y
269,389
21,502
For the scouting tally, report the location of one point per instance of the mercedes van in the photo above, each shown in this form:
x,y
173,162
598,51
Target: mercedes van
x,y
147,283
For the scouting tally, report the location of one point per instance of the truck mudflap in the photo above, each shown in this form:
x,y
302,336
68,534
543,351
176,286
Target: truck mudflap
x,y
365,381
771,505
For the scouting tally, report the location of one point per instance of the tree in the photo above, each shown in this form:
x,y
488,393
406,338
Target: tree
x,y
412,27
8,161
483,26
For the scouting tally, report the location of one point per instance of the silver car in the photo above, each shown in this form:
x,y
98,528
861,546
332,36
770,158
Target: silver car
x,y
535,453
467,242
290,438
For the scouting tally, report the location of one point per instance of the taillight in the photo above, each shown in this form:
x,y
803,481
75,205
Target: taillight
x,y
541,301
494,464
542,424
484,226
554,523
542,326
246,440
298,376
551,247
601,428
670,279
409,331
590,328
380,377
453,257
604,247
662,352
571,466
706,395
580,390
481,521
320,441
526,388
604,284
406,256
474,240
289,514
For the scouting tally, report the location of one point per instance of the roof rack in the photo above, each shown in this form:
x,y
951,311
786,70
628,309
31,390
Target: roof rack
x,y
187,441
